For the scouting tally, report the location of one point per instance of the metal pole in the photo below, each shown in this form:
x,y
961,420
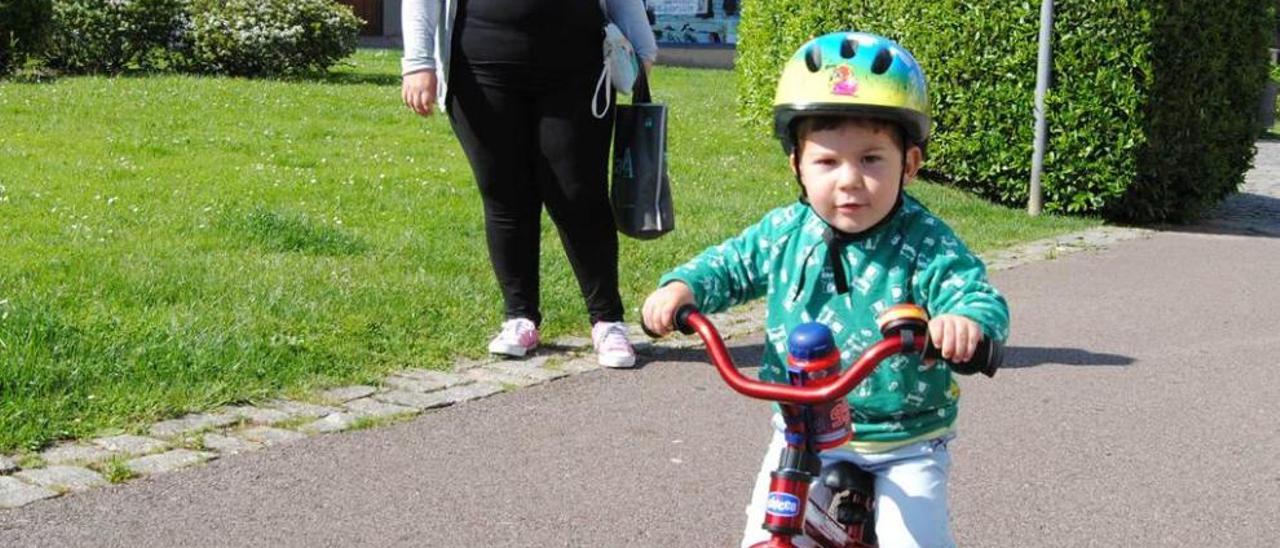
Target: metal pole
x,y
1044,66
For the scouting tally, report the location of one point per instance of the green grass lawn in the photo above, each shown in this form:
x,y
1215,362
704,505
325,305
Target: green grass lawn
x,y
175,243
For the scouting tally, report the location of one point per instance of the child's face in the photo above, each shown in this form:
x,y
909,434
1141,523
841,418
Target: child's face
x,y
850,173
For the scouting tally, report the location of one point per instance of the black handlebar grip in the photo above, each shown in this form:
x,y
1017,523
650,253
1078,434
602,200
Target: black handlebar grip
x,y
682,318
987,357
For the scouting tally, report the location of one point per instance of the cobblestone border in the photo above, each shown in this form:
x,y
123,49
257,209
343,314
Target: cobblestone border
x,y
197,438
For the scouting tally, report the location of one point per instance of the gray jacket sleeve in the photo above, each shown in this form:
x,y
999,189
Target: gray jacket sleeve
x,y
418,28
630,17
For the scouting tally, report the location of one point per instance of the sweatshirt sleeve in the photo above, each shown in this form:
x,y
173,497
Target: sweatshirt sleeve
x,y
630,17
734,272
418,19
953,281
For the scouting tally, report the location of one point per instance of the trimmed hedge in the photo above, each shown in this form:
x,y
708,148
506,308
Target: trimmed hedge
x,y
1151,116
24,25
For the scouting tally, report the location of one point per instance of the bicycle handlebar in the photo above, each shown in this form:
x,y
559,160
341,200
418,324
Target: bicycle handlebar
x,y
689,320
987,359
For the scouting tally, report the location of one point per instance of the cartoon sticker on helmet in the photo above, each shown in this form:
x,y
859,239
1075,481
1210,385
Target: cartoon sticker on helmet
x,y
843,82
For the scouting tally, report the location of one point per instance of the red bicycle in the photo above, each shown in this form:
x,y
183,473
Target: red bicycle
x,y
818,417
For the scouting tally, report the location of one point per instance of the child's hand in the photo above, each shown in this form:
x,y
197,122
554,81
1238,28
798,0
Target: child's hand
x,y
956,336
659,310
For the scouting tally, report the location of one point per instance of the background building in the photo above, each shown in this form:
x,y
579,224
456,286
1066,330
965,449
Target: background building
x,y
709,22
700,33
712,22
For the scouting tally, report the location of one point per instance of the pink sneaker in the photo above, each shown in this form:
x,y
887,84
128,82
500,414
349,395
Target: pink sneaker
x,y
518,337
612,347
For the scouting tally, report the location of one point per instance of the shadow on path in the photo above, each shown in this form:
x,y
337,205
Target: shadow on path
x,y
1255,209
745,356
1244,214
1017,357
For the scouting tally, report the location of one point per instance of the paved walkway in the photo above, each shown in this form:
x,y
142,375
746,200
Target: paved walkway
x,y
1256,209
1137,408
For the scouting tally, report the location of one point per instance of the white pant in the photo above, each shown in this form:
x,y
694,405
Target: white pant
x,y
911,492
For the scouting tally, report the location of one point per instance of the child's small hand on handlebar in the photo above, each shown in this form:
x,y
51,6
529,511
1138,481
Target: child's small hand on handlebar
x,y
659,310
955,336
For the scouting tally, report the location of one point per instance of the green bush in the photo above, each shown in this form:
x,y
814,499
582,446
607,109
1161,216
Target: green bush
x,y
1275,82
1151,115
23,28
270,37
118,35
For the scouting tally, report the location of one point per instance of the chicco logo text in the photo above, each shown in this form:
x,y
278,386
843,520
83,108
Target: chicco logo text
x,y
783,504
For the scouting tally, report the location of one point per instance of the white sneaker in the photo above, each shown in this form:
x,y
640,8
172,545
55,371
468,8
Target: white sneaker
x,y
518,337
612,347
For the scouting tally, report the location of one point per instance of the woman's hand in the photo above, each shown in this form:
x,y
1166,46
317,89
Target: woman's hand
x,y
418,89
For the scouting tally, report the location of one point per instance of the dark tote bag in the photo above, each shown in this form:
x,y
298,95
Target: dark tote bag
x,y
641,194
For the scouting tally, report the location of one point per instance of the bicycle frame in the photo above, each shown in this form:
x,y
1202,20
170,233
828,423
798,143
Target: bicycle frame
x,y
786,515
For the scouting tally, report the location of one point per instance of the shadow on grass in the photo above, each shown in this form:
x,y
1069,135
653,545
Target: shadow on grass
x,y
341,78
356,78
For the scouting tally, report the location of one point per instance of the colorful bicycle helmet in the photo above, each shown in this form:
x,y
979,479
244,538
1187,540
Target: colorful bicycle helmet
x,y
852,74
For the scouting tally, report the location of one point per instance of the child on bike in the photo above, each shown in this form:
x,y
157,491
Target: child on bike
x,y
852,113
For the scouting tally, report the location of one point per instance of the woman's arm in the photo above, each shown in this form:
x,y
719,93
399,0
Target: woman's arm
x,y
418,29
630,17
419,85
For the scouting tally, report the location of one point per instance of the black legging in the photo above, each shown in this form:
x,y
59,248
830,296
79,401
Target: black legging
x,y
532,140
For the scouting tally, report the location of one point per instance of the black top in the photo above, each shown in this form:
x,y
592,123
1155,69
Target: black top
x,y
546,34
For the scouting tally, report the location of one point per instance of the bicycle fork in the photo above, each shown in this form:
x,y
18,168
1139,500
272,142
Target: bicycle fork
x,y
797,520
784,514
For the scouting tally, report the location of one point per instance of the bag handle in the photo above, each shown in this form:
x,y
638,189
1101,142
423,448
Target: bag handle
x,y
605,85
640,90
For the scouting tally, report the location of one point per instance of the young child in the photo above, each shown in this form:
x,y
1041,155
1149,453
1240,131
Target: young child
x,y
852,113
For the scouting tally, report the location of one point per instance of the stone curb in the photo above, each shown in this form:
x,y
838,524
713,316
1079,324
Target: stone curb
x,y
196,438
1052,248
168,462
15,493
58,478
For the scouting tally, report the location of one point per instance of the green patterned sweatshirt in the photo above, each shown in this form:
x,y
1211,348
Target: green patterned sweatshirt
x,y
912,257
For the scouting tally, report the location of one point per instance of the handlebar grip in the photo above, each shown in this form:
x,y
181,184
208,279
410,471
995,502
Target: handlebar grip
x,y
681,321
986,359
682,318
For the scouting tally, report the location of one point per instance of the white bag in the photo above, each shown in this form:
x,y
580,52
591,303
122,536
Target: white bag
x,y
619,59
620,66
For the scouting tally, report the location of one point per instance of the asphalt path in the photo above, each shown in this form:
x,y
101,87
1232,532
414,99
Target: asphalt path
x,y
1139,407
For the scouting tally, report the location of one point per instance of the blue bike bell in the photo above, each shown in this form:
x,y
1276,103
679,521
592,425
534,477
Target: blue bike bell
x,y
809,342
